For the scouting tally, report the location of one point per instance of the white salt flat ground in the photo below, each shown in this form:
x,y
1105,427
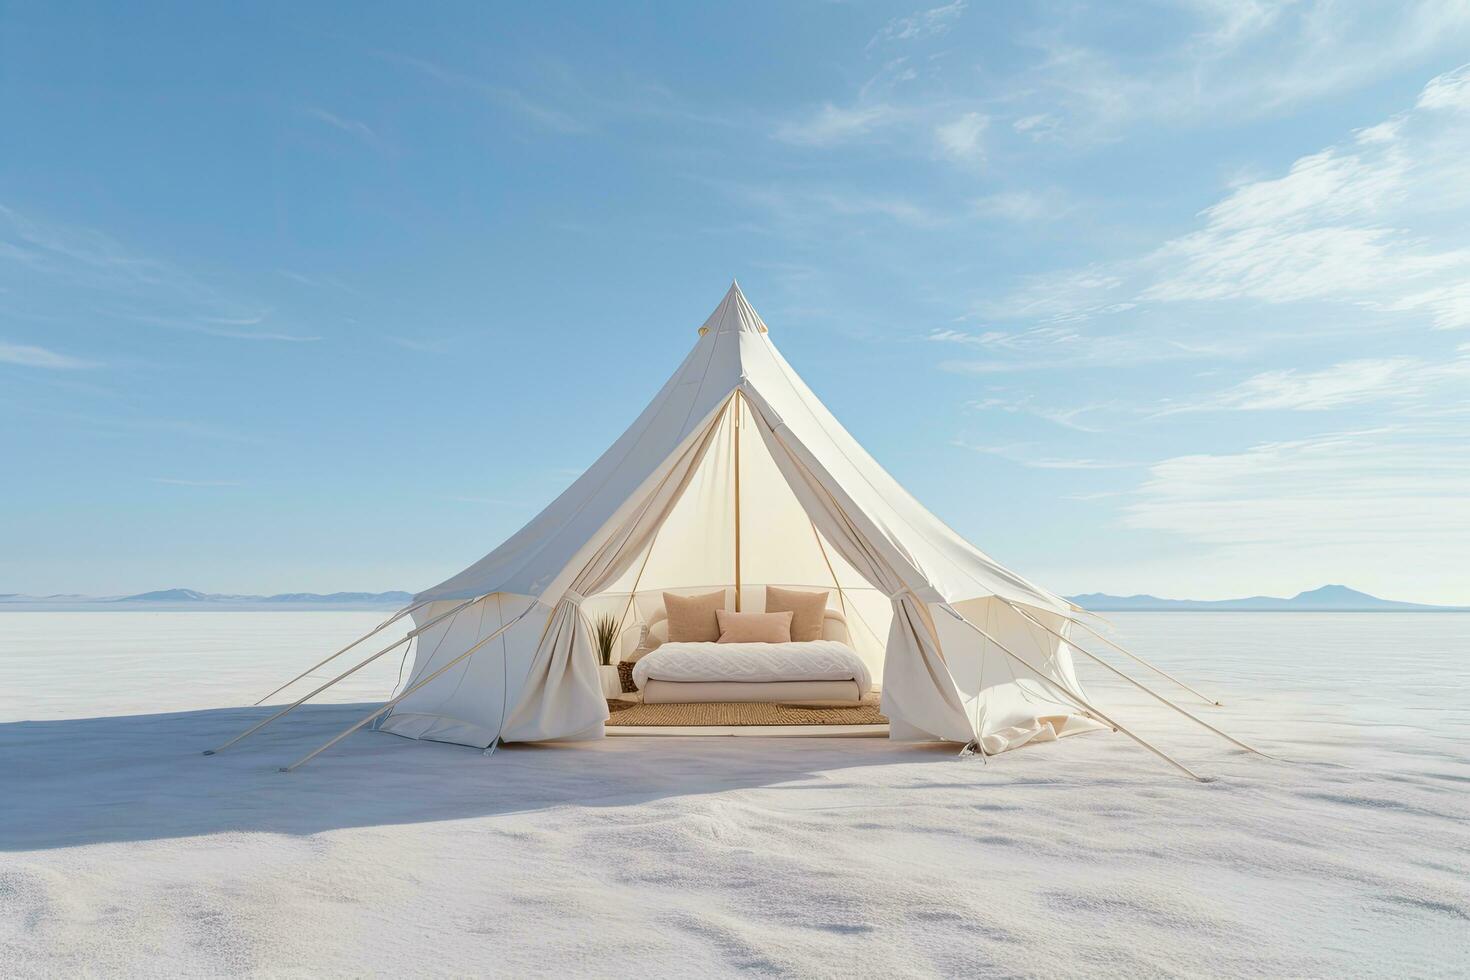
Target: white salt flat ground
x,y
124,851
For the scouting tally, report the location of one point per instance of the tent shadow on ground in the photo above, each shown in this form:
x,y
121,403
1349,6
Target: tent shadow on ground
x,y
144,777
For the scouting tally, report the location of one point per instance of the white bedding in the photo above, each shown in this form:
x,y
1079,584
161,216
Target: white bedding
x,y
815,660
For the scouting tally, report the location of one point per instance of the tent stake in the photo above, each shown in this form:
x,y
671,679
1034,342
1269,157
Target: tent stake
x,y
302,700
381,626
1142,687
1162,673
390,705
1081,701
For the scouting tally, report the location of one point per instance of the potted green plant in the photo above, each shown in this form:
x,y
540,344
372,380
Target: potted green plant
x,y
604,639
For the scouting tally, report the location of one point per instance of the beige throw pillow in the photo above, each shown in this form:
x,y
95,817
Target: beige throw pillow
x,y
807,610
744,627
692,618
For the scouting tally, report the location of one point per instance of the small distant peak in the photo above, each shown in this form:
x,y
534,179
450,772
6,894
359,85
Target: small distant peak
x,y
1330,592
167,595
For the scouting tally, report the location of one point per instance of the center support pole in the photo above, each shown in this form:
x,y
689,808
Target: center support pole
x,y
737,406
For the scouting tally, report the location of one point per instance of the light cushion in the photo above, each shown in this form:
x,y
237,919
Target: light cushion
x,y
692,618
744,627
806,608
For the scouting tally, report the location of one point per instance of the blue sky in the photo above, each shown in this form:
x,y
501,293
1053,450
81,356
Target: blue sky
x,y
1168,297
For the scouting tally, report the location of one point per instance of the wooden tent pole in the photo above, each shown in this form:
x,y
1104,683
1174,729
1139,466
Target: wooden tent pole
x,y
737,404
923,607
1138,684
391,704
406,610
1081,702
633,596
1162,673
346,673
830,571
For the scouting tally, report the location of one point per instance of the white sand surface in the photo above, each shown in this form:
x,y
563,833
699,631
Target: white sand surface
x,y
124,851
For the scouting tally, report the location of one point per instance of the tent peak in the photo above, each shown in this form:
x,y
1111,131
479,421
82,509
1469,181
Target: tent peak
x,y
734,315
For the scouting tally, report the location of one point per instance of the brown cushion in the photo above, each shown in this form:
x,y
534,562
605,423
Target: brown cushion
x,y
806,608
692,618
744,627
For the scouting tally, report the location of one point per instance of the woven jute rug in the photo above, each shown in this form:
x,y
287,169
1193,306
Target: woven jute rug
x,y
728,713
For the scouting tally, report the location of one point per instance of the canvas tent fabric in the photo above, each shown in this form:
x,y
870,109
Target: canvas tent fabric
x,y
736,476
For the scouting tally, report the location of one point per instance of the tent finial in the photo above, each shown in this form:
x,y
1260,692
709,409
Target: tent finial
x,y
733,315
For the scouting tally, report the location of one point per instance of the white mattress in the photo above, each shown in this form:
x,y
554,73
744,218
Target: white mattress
x,y
816,660
698,692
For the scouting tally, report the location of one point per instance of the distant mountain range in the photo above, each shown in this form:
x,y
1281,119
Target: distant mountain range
x,y
1329,598
189,598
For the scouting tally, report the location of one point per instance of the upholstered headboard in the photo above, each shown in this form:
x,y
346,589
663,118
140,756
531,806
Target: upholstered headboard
x,y
834,627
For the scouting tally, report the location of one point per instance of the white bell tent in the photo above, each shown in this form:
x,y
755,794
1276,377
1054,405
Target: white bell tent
x,y
737,477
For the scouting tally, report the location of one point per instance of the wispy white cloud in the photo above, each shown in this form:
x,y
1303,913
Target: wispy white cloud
x,y
831,124
318,281
1320,505
961,138
120,423
1448,91
875,107
542,115
1204,62
1032,457
1415,394
1066,296
352,127
1366,229
507,97
1019,206
30,356
1067,418
795,206
51,248
1052,347
563,98
1038,126
235,327
85,273
1332,229
420,344
1403,380
933,22
1095,494
1238,59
